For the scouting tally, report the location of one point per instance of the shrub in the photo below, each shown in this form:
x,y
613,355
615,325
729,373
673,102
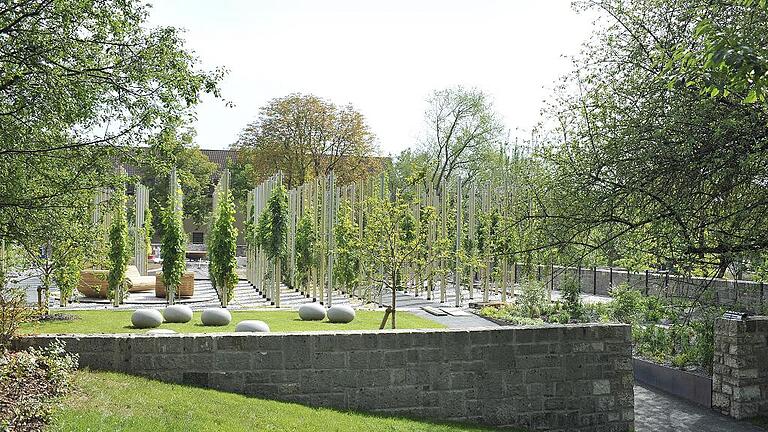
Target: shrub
x,y
32,382
510,314
627,304
652,342
596,312
654,310
571,295
533,297
13,311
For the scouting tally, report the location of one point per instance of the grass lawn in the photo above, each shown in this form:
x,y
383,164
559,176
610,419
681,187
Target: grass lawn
x,y
119,321
116,402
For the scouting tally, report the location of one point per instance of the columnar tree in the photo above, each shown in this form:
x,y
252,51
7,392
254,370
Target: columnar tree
x,y
118,249
347,248
306,248
223,248
273,233
173,249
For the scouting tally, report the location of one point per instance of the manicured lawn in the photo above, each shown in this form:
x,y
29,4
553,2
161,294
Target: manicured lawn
x,y
119,321
116,402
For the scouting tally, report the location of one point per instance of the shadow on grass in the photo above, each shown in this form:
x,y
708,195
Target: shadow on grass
x,y
187,386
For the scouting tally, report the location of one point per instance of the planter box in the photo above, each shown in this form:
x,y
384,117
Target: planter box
x,y
93,283
686,385
186,289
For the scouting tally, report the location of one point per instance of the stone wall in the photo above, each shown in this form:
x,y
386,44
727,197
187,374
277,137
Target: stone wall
x,y
748,294
740,370
575,377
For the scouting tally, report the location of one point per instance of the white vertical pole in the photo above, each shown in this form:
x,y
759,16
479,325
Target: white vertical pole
x,y
457,270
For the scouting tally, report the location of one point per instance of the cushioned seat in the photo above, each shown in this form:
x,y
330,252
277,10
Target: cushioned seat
x,y
137,282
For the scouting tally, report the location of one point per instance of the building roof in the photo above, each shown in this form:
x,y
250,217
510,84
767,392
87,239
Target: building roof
x,y
220,156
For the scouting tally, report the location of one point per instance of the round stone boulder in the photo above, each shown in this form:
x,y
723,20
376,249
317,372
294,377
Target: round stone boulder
x,y
216,317
312,312
252,326
341,314
178,314
161,332
146,318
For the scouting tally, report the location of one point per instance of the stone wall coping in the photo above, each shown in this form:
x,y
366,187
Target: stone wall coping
x,y
324,332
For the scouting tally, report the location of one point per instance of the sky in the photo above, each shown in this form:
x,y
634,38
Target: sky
x,y
384,57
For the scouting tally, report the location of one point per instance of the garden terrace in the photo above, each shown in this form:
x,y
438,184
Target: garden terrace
x,y
575,378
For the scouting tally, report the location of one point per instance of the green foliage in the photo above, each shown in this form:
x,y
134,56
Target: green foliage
x,y
627,305
532,298
464,128
107,80
511,314
148,229
272,230
391,242
68,262
13,312
306,247
32,383
728,53
346,266
571,295
173,248
118,250
223,246
654,310
173,147
286,137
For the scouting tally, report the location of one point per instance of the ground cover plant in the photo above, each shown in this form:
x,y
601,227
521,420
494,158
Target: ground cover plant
x,y
31,385
119,321
107,402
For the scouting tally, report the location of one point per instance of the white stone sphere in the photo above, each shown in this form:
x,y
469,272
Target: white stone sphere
x,y
216,317
252,326
341,314
312,312
178,314
146,318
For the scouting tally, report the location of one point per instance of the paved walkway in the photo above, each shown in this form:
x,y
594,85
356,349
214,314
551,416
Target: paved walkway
x,y
656,411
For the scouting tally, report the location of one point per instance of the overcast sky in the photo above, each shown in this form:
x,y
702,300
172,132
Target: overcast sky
x,y
384,57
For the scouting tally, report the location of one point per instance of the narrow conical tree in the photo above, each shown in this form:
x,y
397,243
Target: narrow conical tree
x,y
223,249
174,241
273,233
118,250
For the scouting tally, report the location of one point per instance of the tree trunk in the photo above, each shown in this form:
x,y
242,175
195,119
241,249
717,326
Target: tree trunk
x,y
277,282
